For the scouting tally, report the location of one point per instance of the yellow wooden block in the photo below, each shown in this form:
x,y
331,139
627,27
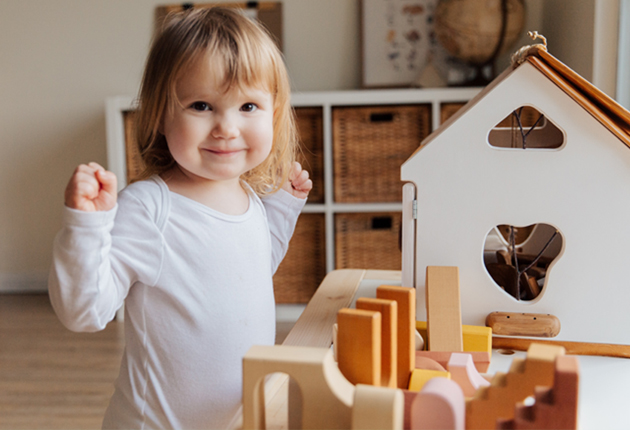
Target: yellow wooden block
x,y
475,337
419,377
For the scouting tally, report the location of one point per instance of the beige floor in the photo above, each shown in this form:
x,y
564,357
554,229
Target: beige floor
x,y
51,378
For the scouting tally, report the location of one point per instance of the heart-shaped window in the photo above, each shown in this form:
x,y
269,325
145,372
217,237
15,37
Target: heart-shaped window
x,y
518,259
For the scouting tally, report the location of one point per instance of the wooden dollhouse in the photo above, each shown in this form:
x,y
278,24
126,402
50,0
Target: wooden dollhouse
x,y
566,171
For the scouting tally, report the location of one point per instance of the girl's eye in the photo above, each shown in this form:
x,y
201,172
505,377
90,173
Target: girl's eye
x,y
200,106
249,107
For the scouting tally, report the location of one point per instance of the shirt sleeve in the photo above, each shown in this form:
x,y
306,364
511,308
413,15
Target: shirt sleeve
x,y
283,211
97,257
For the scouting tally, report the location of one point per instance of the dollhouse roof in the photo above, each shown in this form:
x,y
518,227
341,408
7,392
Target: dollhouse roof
x,y
604,109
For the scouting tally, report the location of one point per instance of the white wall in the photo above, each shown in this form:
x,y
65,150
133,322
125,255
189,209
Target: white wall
x,y
60,59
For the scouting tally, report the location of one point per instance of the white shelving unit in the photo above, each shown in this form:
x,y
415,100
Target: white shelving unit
x,y
329,100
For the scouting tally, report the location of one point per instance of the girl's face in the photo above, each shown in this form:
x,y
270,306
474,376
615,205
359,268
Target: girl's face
x,y
217,135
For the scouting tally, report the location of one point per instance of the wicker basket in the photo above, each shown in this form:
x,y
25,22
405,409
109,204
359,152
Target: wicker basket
x,y
369,146
310,125
447,110
304,266
368,241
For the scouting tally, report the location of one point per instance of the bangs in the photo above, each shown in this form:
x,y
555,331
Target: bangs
x,y
238,52
241,67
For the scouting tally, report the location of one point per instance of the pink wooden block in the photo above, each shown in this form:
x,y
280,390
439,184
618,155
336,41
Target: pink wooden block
x,y
429,364
464,372
440,405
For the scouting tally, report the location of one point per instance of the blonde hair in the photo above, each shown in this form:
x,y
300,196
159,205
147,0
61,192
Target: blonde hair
x,y
249,57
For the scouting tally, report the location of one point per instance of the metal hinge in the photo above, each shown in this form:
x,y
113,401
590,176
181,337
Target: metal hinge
x,y
414,209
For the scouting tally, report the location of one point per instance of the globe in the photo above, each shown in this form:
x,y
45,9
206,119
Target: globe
x,y
477,31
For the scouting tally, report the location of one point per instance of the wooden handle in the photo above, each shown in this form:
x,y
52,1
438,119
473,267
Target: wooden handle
x,y
522,324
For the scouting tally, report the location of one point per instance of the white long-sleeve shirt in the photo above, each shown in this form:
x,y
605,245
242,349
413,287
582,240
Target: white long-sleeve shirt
x,y
197,288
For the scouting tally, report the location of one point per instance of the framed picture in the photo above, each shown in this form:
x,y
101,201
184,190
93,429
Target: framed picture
x,y
396,41
269,13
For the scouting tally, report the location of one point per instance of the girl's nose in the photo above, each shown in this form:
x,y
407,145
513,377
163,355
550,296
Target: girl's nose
x,y
225,128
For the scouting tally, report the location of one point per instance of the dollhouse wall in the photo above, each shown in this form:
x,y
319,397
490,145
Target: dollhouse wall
x,y
465,187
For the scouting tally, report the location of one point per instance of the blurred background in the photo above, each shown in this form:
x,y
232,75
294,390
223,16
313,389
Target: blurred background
x,y
60,60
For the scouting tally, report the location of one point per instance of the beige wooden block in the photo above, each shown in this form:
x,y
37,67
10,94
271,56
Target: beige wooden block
x,y
444,319
389,332
377,408
359,345
406,300
322,385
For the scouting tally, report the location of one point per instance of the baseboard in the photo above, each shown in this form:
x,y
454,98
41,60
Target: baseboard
x,y
288,313
32,282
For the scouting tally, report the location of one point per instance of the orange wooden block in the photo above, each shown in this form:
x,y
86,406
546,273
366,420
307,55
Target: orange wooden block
x,y
359,345
498,400
406,300
480,359
444,319
389,333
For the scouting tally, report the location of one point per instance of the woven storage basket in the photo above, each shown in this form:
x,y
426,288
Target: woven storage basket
x,y
368,241
310,123
369,146
135,165
447,110
304,266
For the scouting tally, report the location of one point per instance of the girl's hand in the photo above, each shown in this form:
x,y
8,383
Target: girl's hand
x,y
299,184
91,188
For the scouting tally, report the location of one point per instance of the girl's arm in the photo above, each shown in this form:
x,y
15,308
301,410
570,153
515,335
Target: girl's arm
x,y
96,260
283,209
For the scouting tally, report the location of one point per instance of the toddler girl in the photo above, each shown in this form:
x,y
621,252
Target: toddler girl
x,y
191,247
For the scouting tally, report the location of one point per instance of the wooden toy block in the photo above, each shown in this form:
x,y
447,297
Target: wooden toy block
x,y
444,320
406,300
497,400
377,408
322,385
463,371
555,407
428,364
409,398
419,341
359,345
480,359
419,377
523,324
389,334
440,405
474,337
